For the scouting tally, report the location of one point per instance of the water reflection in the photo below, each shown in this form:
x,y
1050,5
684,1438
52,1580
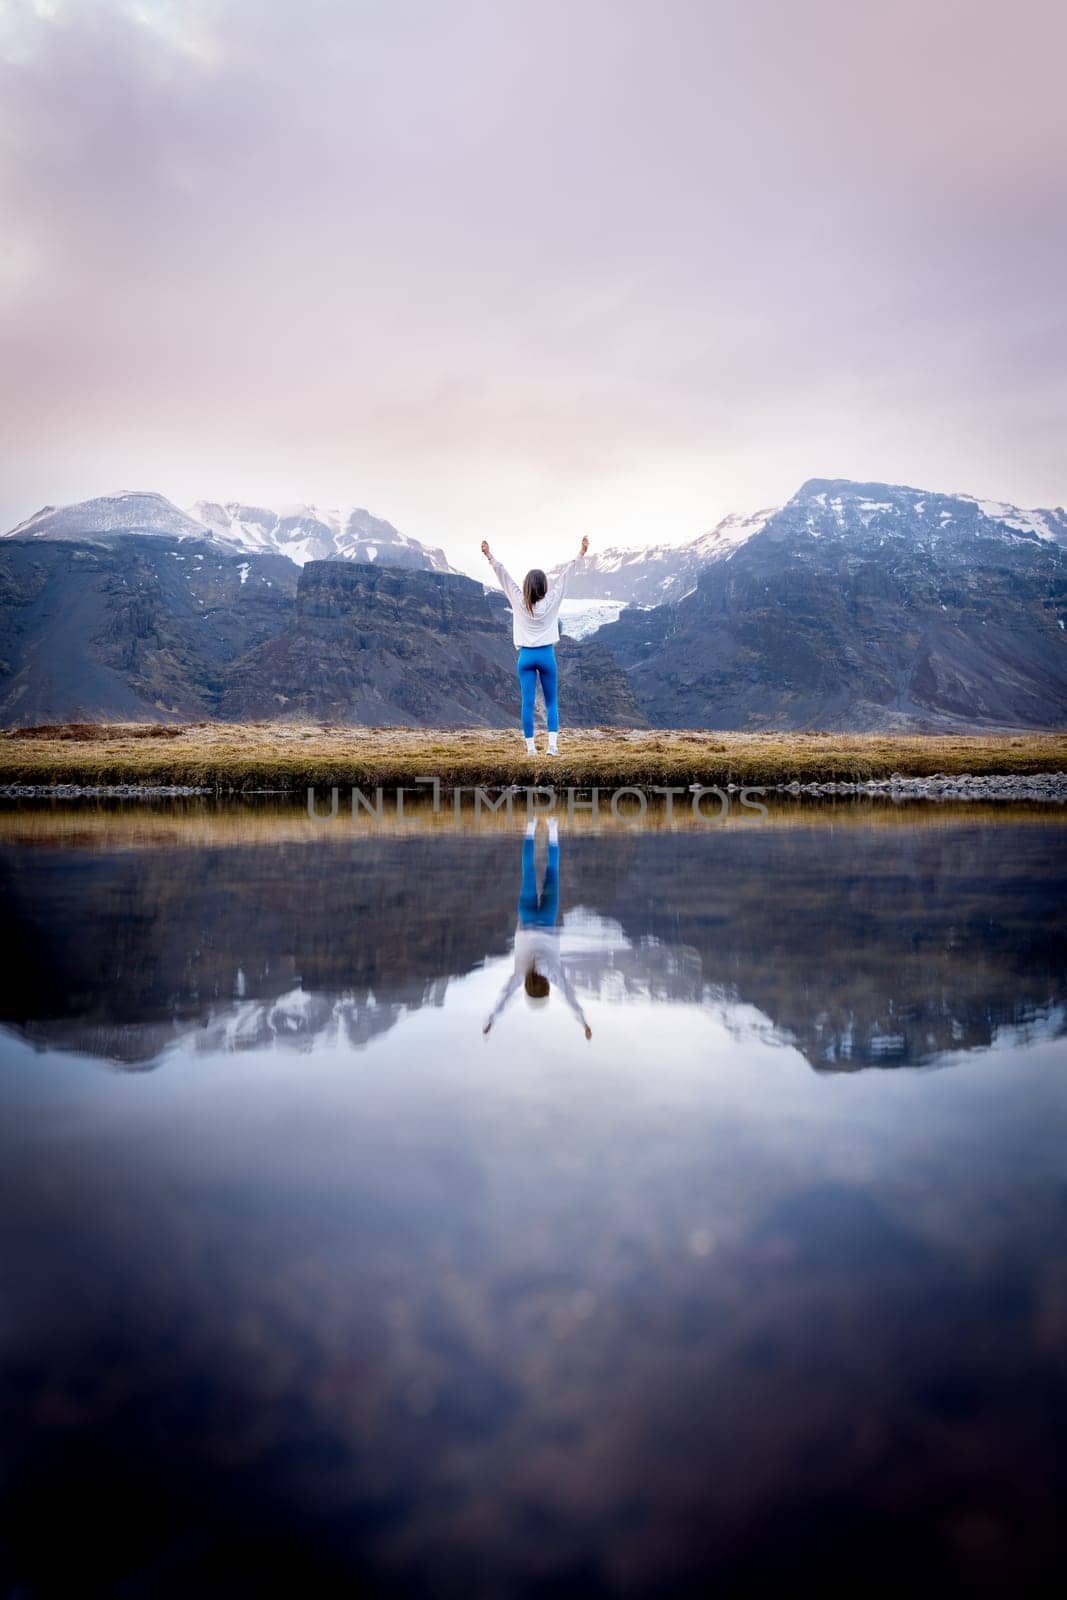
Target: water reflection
x,y
859,945
538,963
340,1300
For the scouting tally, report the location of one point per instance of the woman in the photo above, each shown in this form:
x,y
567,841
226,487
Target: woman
x,y
538,963
535,629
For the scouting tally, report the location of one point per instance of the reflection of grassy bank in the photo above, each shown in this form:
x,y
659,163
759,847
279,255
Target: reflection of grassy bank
x,y
245,820
291,756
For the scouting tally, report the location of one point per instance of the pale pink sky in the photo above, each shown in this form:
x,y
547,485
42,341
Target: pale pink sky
x,y
527,268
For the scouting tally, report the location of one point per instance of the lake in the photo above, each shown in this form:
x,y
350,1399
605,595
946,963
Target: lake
x,y
341,1257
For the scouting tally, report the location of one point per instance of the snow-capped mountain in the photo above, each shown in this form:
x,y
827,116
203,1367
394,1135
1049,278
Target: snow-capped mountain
x,y
317,533
823,509
864,605
303,533
872,515
126,512
653,574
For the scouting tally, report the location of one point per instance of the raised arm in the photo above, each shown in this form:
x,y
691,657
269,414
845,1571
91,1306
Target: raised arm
x,y
558,588
504,578
505,995
573,1001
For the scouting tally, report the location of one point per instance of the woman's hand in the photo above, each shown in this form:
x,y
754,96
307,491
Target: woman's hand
x,y
585,544
485,550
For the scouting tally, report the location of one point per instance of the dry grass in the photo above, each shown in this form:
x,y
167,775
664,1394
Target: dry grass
x,y
290,757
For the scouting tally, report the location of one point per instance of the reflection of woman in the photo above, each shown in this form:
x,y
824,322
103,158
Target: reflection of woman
x,y
537,959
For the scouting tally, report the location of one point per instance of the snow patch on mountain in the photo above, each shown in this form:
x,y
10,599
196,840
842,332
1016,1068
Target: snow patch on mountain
x,y
129,511
580,618
317,533
303,533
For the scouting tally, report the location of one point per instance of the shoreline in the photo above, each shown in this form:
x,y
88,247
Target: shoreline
x,y
1049,787
178,761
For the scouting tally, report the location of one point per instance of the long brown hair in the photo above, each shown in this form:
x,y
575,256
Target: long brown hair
x,y
534,587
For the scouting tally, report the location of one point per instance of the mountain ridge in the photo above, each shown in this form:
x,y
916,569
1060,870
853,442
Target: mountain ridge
x,y
852,607
660,573
858,606
300,533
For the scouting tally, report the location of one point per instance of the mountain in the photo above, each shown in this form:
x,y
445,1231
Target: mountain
x,y
144,625
301,533
864,606
96,521
374,645
311,533
854,606
148,625
654,574
651,575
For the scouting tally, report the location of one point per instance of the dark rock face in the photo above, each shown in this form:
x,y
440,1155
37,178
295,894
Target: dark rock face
x,y
860,606
378,645
147,626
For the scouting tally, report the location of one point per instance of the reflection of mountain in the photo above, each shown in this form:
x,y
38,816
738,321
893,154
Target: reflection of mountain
x,y
869,947
863,946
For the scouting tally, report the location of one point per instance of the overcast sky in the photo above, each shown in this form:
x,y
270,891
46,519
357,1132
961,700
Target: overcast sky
x,y
528,268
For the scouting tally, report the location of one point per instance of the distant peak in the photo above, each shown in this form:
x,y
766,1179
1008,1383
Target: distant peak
x,y
851,488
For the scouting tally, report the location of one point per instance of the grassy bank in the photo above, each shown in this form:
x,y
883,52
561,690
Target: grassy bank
x,y
204,821
291,757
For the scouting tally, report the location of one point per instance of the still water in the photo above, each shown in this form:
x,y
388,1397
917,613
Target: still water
x,y
335,1260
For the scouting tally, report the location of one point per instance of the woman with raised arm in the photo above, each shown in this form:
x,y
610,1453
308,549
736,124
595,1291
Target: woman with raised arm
x,y
535,630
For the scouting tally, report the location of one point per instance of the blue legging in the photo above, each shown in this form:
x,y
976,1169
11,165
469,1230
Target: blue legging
x,y
534,662
539,910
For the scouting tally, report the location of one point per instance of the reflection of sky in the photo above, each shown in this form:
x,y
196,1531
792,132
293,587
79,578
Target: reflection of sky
x,y
480,1279
534,1304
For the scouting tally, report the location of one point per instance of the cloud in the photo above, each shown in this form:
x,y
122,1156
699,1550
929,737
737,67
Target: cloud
x,y
502,267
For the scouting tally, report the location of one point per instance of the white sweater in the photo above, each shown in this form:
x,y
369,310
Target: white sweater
x,y
541,625
537,950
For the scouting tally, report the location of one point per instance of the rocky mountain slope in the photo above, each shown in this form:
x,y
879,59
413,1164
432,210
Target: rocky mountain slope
x,y
301,533
149,625
374,645
144,625
860,606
